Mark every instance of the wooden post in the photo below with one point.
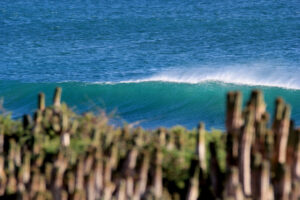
(57, 97)
(193, 187)
(60, 168)
(64, 195)
(65, 135)
(157, 184)
(264, 181)
(141, 185)
(98, 177)
(121, 192)
(129, 166)
(27, 167)
(279, 107)
(234, 111)
(257, 100)
(109, 188)
(11, 186)
(41, 101)
(70, 180)
(201, 147)
(234, 122)
(27, 121)
(281, 130)
(113, 159)
(79, 179)
(216, 175)
(88, 163)
(3, 177)
(296, 163)
(232, 182)
(296, 191)
(1, 138)
(90, 186)
(285, 184)
(260, 142)
(48, 173)
(245, 151)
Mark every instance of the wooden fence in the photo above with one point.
(61, 155)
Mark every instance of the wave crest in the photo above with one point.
(257, 75)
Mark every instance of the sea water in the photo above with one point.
(150, 63)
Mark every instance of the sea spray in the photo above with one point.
(253, 74)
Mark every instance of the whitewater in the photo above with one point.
(258, 74)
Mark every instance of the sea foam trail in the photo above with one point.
(253, 76)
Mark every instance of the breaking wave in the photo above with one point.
(253, 76)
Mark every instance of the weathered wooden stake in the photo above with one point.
(41, 101)
(281, 131)
(201, 148)
(193, 188)
(57, 97)
(143, 176)
(245, 151)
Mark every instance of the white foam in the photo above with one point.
(253, 75)
(257, 74)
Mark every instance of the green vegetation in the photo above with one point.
(62, 155)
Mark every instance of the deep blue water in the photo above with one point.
(160, 63)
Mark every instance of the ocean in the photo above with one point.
(150, 63)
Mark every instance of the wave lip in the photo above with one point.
(252, 76)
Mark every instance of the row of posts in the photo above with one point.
(61, 155)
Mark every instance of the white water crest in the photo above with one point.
(253, 75)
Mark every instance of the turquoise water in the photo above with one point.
(156, 63)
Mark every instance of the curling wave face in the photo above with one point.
(149, 104)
